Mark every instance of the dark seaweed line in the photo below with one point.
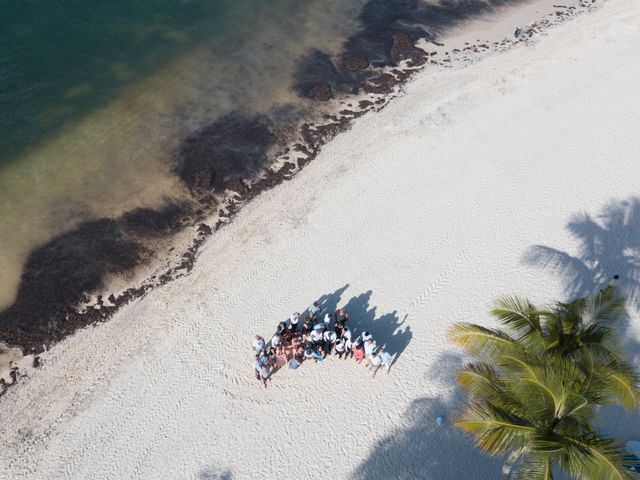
(124, 252)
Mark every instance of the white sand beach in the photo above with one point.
(419, 216)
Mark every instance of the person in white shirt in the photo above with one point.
(256, 366)
(293, 321)
(366, 336)
(328, 318)
(316, 336)
(340, 349)
(374, 362)
(346, 333)
(276, 340)
(387, 359)
(348, 347)
(258, 344)
(264, 374)
(369, 350)
(382, 359)
(329, 339)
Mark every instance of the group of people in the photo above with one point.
(313, 338)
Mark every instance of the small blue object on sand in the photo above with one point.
(632, 458)
(294, 364)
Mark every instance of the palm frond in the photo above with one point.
(480, 380)
(493, 429)
(533, 467)
(480, 341)
(518, 314)
(594, 457)
(617, 383)
(603, 308)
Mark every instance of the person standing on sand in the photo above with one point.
(256, 366)
(375, 362)
(346, 333)
(293, 321)
(387, 359)
(340, 349)
(281, 357)
(258, 344)
(348, 348)
(314, 310)
(369, 350)
(288, 335)
(276, 340)
(358, 353)
(382, 359)
(308, 324)
(341, 316)
(264, 374)
(316, 336)
(329, 339)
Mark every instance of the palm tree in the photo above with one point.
(541, 415)
(536, 384)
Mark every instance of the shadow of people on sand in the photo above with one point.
(329, 301)
(386, 329)
(426, 448)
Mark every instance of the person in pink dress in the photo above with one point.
(358, 353)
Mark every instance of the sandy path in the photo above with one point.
(423, 212)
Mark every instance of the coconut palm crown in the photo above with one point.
(535, 386)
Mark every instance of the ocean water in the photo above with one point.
(96, 96)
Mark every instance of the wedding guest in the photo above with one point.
(258, 344)
(293, 320)
(346, 333)
(340, 348)
(314, 310)
(341, 316)
(329, 339)
(348, 348)
(308, 324)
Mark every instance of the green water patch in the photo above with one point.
(61, 59)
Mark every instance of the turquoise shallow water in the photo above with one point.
(60, 59)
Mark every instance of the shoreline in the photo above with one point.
(417, 217)
(381, 87)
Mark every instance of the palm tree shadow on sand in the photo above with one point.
(422, 448)
(609, 244)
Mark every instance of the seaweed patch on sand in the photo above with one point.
(234, 145)
(59, 275)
